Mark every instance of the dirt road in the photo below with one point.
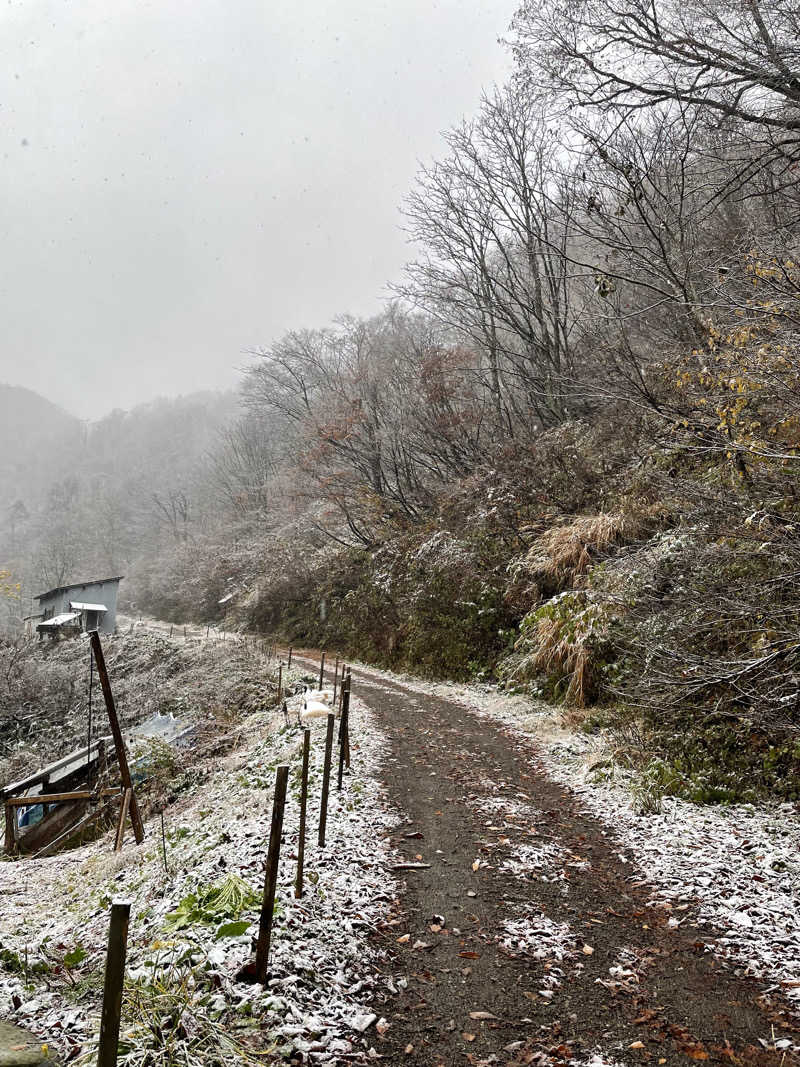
(527, 937)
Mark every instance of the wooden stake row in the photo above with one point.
(279, 803)
(120, 910)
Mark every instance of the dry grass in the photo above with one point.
(564, 553)
(558, 653)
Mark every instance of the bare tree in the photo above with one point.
(493, 222)
(247, 462)
(732, 59)
(172, 507)
(378, 412)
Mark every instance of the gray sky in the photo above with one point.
(182, 180)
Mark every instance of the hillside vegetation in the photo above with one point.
(565, 456)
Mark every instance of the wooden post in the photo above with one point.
(119, 744)
(289, 664)
(280, 681)
(11, 828)
(326, 783)
(271, 875)
(341, 687)
(343, 734)
(89, 729)
(301, 843)
(347, 722)
(335, 679)
(184, 633)
(170, 631)
(112, 989)
(208, 627)
(164, 842)
(321, 669)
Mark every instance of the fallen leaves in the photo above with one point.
(694, 1052)
(362, 1022)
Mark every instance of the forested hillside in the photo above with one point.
(89, 498)
(565, 455)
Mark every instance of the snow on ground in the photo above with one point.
(545, 861)
(510, 807)
(734, 868)
(736, 865)
(534, 934)
(55, 915)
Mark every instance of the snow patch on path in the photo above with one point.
(535, 935)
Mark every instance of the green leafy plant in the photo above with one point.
(222, 902)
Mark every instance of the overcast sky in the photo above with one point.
(183, 180)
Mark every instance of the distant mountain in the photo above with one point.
(32, 432)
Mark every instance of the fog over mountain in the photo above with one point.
(89, 497)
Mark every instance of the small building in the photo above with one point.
(80, 607)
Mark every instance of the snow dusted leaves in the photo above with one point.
(538, 937)
(737, 866)
(544, 860)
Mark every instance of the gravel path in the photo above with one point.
(529, 936)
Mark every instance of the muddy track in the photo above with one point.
(618, 978)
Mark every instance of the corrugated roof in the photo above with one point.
(77, 585)
(86, 607)
(58, 620)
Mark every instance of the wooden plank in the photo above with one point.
(50, 798)
(41, 777)
(116, 732)
(123, 815)
(72, 830)
(61, 798)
